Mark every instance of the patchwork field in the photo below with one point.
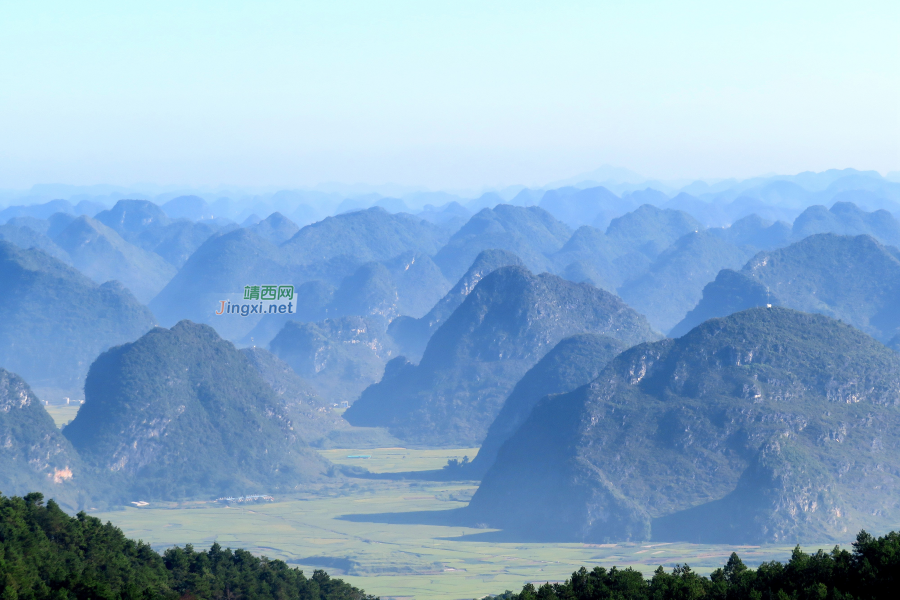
(339, 528)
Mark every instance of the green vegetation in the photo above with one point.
(763, 426)
(46, 554)
(473, 361)
(869, 571)
(181, 413)
(388, 536)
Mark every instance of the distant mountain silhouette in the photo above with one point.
(530, 233)
(101, 254)
(57, 320)
(338, 357)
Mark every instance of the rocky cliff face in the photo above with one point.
(769, 425)
(35, 457)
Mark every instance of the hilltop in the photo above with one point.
(764, 426)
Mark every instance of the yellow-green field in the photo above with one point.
(399, 560)
(397, 460)
(62, 413)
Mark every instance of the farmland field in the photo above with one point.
(327, 527)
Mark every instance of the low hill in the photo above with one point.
(56, 321)
(181, 413)
(530, 233)
(765, 426)
(572, 363)
(854, 279)
(34, 454)
(503, 327)
(412, 334)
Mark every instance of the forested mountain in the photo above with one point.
(48, 554)
(412, 334)
(573, 362)
(503, 327)
(56, 320)
(855, 279)
(145, 225)
(868, 570)
(338, 357)
(181, 413)
(764, 426)
(34, 456)
(530, 233)
(275, 228)
(25, 237)
(101, 254)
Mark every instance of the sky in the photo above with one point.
(445, 95)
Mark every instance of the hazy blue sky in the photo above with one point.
(445, 94)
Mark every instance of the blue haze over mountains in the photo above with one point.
(448, 319)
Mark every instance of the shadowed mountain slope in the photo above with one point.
(573, 362)
(180, 413)
(502, 328)
(56, 320)
(769, 425)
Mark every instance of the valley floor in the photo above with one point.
(354, 530)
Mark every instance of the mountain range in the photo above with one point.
(471, 363)
(766, 426)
